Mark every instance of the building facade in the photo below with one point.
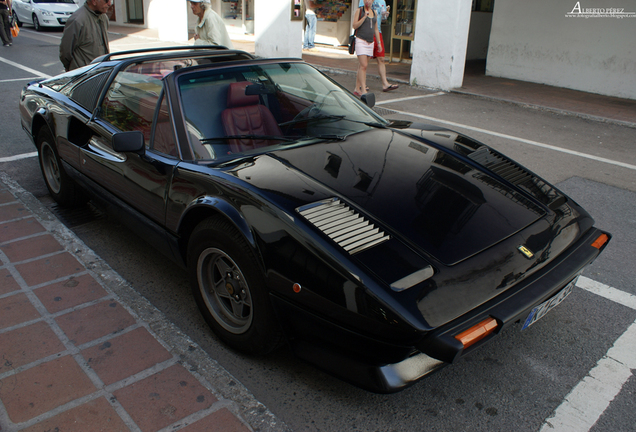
(585, 45)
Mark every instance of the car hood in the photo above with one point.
(60, 8)
(442, 204)
(433, 198)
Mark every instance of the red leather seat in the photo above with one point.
(244, 116)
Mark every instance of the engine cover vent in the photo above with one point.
(518, 176)
(343, 225)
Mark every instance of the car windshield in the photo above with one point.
(249, 109)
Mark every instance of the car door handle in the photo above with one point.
(101, 150)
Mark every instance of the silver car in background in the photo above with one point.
(43, 13)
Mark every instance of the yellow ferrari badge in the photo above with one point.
(526, 252)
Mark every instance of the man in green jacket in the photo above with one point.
(85, 35)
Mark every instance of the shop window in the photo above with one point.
(135, 11)
(296, 10)
(402, 27)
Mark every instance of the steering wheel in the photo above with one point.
(305, 114)
(308, 112)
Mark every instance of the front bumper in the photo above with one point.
(516, 303)
(357, 359)
(322, 343)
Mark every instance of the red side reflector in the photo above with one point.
(600, 241)
(477, 332)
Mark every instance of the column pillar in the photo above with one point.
(276, 35)
(439, 47)
(170, 18)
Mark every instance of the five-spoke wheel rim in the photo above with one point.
(51, 168)
(225, 290)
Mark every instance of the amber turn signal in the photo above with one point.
(477, 332)
(600, 241)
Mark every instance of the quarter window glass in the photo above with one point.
(83, 85)
(131, 100)
(164, 140)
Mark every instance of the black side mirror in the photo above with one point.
(369, 99)
(129, 142)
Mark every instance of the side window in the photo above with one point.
(164, 140)
(130, 102)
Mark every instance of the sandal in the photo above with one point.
(355, 93)
(391, 87)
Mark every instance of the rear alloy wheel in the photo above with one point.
(36, 23)
(61, 187)
(229, 288)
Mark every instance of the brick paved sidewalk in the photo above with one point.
(76, 357)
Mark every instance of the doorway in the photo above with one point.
(478, 37)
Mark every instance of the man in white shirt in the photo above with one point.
(210, 29)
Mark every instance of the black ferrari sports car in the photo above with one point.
(379, 250)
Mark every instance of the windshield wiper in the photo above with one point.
(247, 137)
(312, 119)
(374, 124)
(326, 137)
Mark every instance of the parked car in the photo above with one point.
(43, 13)
(379, 250)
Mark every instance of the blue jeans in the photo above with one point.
(310, 31)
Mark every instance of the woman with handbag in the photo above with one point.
(366, 28)
(382, 11)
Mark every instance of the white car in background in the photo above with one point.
(43, 13)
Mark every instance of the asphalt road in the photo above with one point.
(515, 383)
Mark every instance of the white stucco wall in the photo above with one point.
(171, 26)
(170, 18)
(276, 34)
(535, 41)
(439, 47)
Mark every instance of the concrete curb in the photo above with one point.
(547, 109)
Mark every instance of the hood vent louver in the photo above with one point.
(343, 225)
(518, 176)
(501, 166)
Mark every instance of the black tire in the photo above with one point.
(61, 187)
(229, 288)
(36, 23)
(16, 20)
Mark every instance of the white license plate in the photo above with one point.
(539, 311)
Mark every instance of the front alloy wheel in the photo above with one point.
(229, 287)
(36, 23)
(225, 291)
